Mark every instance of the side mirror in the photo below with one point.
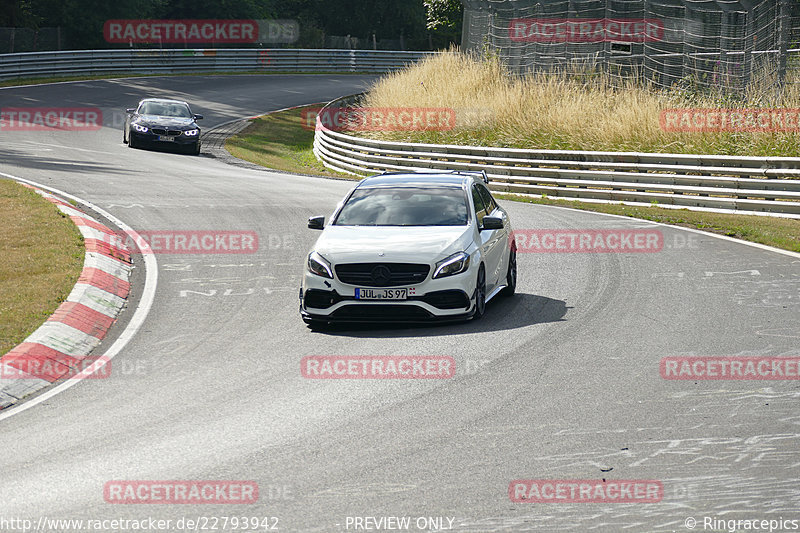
(316, 223)
(197, 117)
(131, 111)
(492, 223)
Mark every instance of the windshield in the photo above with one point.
(405, 206)
(165, 110)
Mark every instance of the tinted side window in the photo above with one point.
(477, 201)
(488, 201)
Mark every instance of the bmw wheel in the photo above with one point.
(191, 149)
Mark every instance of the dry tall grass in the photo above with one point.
(563, 111)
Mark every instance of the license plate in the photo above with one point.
(168, 138)
(381, 294)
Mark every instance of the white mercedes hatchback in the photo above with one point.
(410, 247)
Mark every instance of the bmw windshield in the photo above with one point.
(165, 110)
(404, 206)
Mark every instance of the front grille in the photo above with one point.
(449, 299)
(381, 313)
(382, 274)
(162, 131)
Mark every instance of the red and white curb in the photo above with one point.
(79, 324)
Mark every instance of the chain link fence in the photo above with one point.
(731, 45)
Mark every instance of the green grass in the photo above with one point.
(59, 79)
(279, 141)
(117, 75)
(41, 258)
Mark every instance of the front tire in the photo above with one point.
(480, 295)
(511, 276)
(131, 144)
(192, 149)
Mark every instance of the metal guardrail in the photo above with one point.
(176, 61)
(769, 185)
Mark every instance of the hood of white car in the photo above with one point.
(407, 244)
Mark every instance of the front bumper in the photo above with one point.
(433, 300)
(153, 140)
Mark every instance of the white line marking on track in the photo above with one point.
(748, 272)
(139, 316)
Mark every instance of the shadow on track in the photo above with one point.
(501, 314)
(40, 162)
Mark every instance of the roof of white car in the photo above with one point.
(445, 179)
(163, 101)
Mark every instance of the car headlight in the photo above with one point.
(449, 266)
(140, 129)
(191, 133)
(319, 265)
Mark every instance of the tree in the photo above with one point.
(443, 14)
(444, 18)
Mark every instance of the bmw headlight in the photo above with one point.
(319, 265)
(191, 133)
(449, 266)
(140, 129)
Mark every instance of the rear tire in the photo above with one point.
(511, 276)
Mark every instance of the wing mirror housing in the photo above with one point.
(316, 223)
(492, 223)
